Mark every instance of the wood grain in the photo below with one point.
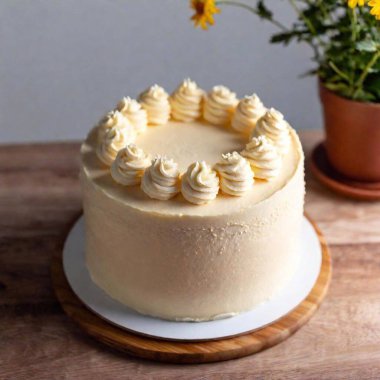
(192, 352)
(40, 196)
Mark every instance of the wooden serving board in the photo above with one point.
(191, 352)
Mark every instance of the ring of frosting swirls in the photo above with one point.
(113, 118)
(275, 128)
(113, 140)
(263, 158)
(219, 105)
(248, 111)
(129, 165)
(161, 179)
(200, 183)
(186, 101)
(133, 111)
(155, 101)
(236, 176)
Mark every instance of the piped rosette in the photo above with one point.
(134, 112)
(200, 183)
(186, 101)
(236, 176)
(155, 101)
(275, 128)
(219, 105)
(129, 165)
(113, 118)
(161, 179)
(114, 139)
(263, 158)
(248, 111)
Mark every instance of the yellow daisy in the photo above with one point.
(355, 3)
(375, 5)
(204, 12)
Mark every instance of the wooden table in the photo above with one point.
(40, 196)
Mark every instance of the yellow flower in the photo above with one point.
(204, 12)
(355, 3)
(375, 5)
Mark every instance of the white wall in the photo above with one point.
(63, 63)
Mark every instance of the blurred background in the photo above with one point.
(64, 63)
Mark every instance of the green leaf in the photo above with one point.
(308, 73)
(284, 38)
(287, 37)
(365, 96)
(337, 87)
(263, 11)
(367, 45)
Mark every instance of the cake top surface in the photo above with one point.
(191, 148)
(190, 142)
(182, 142)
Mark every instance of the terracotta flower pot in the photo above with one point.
(352, 136)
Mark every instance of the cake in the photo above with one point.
(192, 202)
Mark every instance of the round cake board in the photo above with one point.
(175, 351)
(296, 290)
(326, 174)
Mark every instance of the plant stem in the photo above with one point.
(305, 19)
(275, 22)
(253, 10)
(311, 28)
(364, 74)
(354, 21)
(340, 72)
(325, 11)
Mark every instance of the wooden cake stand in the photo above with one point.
(191, 352)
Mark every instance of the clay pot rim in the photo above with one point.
(356, 103)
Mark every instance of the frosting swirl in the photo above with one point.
(155, 101)
(129, 165)
(275, 128)
(133, 111)
(219, 105)
(161, 179)
(113, 118)
(235, 173)
(200, 184)
(263, 158)
(113, 140)
(247, 113)
(186, 101)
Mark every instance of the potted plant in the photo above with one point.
(345, 40)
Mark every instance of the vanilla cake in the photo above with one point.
(192, 202)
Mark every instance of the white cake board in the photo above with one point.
(116, 313)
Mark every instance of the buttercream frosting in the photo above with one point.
(263, 158)
(236, 176)
(114, 139)
(248, 111)
(186, 101)
(133, 111)
(129, 165)
(177, 261)
(174, 260)
(275, 128)
(200, 183)
(219, 105)
(155, 101)
(161, 179)
(113, 118)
